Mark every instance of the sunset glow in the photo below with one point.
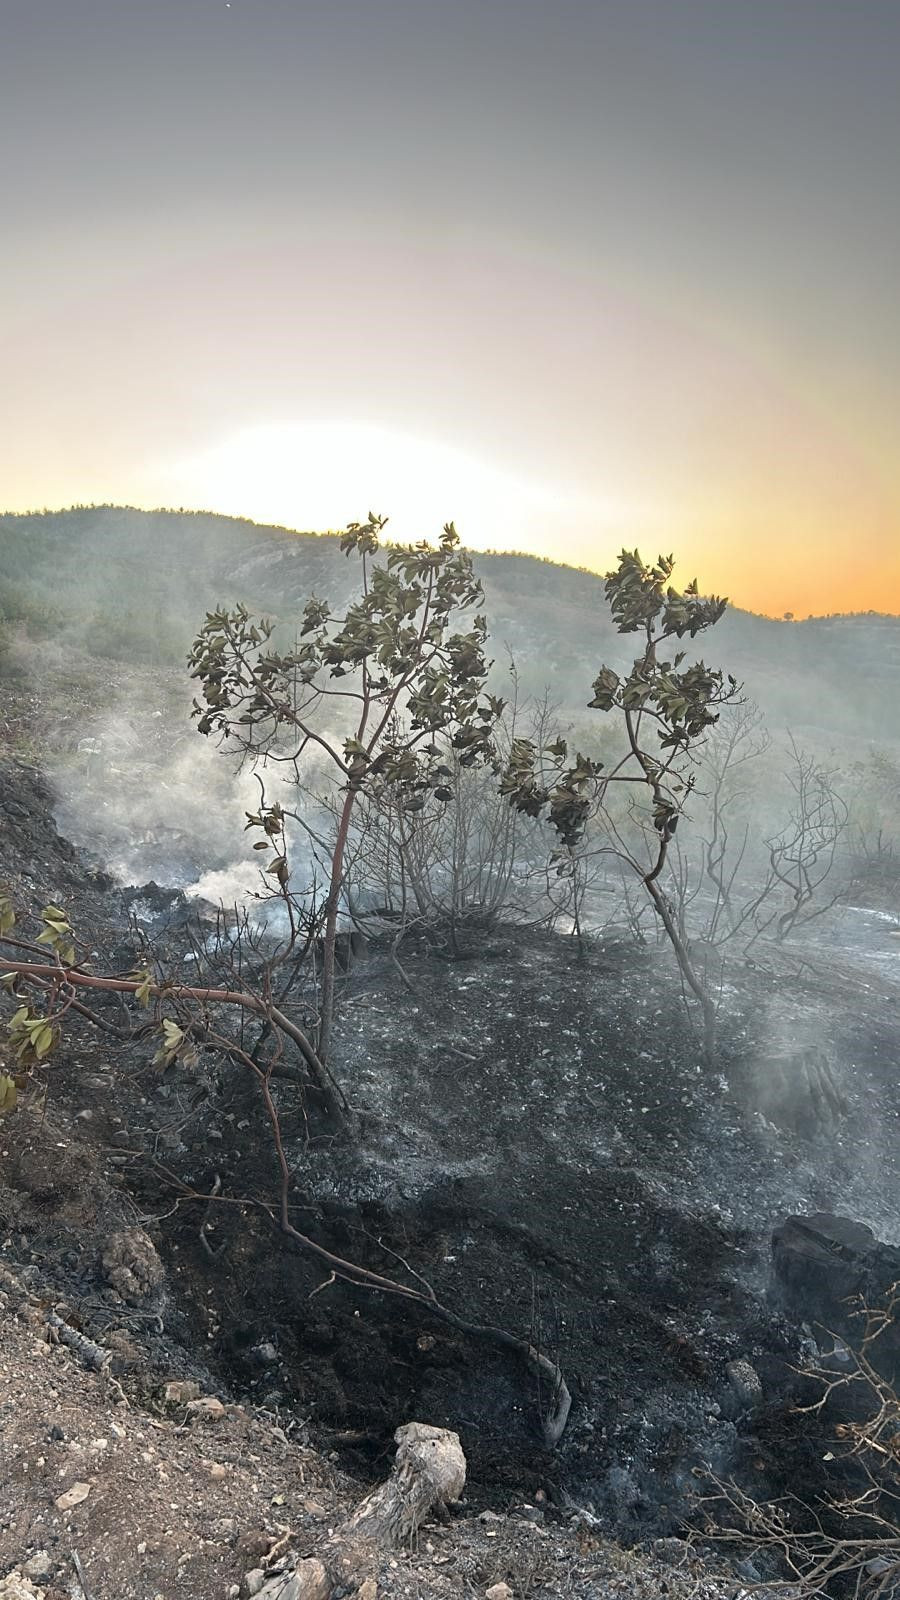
(325, 474)
(622, 276)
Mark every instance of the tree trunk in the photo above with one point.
(429, 1474)
(331, 916)
(688, 971)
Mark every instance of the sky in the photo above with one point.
(576, 275)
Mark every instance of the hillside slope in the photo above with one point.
(134, 585)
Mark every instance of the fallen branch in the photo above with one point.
(335, 1099)
(92, 1355)
(560, 1400)
(556, 1417)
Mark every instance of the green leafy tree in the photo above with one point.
(665, 705)
(395, 666)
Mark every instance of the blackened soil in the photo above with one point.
(541, 1143)
(545, 1148)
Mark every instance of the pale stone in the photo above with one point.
(308, 1581)
(17, 1587)
(73, 1496)
(39, 1566)
(209, 1409)
(180, 1391)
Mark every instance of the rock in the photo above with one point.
(252, 1582)
(39, 1566)
(180, 1391)
(209, 1409)
(17, 1587)
(132, 1266)
(73, 1497)
(314, 1508)
(224, 1529)
(367, 1590)
(822, 1262)
(308, 1581)
(264, 1353)
(745, 1381)
(498, 1591)
(217, 1471)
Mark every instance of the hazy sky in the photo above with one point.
(577, 274)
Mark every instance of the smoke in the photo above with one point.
(153, 801)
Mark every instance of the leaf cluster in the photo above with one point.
(270, 821)
(176, 1045)
(539, 782)
(683, 703)
(394, 650)
(57, 933)
(641, 598)
(32, 1036)
(680, 702)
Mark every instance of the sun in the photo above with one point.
(322, 475)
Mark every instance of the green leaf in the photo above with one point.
(142, 992)
(42, 1043)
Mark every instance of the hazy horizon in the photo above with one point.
(389, 537)
(602, 275)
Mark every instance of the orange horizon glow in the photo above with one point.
(317, 476)
(573, 278)
(715, 574)
(757, 476)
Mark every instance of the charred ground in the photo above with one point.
(540, 1141)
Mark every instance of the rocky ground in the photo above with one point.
(125, 1479)
(540, 1141)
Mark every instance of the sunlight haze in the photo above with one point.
(576, 278)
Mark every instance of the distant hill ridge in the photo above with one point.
(132, 584)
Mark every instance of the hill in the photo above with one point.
(537, 1133)
(134, 585)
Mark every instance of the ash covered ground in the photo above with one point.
(541, 1142)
